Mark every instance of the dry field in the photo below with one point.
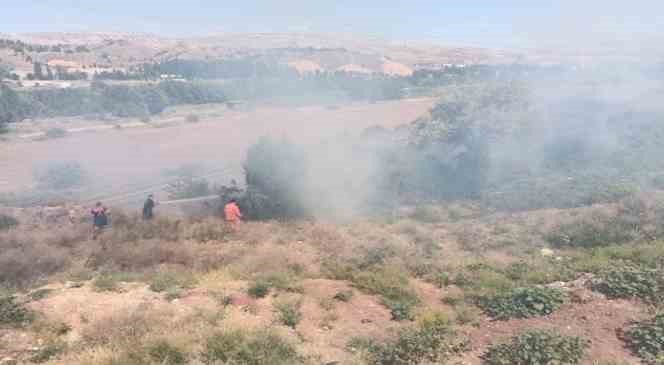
(116, 156)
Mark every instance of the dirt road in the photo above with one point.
(118, 157)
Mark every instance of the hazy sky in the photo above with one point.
(506, 23)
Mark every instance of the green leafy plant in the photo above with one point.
(538, 347)
(523, 303)
(629, 281)
(646, 339)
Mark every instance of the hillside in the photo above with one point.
(357, 293)
(329, 52)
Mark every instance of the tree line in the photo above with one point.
(103, 99)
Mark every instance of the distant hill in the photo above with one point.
(303, 52)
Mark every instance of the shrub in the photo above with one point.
(431, 342)
(394, 288)
(40, 294)
(260, 348)
(47, 352)
(209, 231)
(629, 281)
(164, 353)
(646, 338)
(56, 133)
(289, 312)
(538, 347)
(13, 313)
(523, 303)
(7, 222)
(108, 281)
(24, 264)
(275, 173)
(60, 175)
(164, 281)
(259, 289)
(596, 230)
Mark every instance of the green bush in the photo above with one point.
(538, 347)
(13, 313)
(164, 353)
(433, 341)
(646, 339)
(259, 289)
(7, 222)
(260, 348)
(288, 311)
(523, 303)
(393, 285)
(630, 281)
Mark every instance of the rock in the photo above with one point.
(366, 320)
(547, 252)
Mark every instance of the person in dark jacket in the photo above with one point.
(99, 219)
(148, 208)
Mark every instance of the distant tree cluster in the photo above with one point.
(22, 47)
(100, 98)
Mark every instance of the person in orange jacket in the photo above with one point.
(232, 213)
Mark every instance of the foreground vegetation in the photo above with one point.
(429, 289)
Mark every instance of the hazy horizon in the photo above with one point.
(505, 24)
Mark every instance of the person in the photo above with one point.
(99, 219)
(148, 207)
(232, 213)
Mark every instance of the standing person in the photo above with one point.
(148, 208)
(99, 219)
(232, 213)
